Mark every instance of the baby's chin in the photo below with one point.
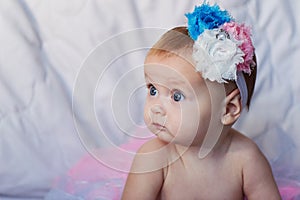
(165, 137)
(162, 134)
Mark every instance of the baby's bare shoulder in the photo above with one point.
(258, 180)
(245, 150)
(150, 157)
(242, 144)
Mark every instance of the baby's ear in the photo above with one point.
(233, 107)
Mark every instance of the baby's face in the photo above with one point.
(178, 105)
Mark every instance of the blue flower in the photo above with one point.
(206, 17)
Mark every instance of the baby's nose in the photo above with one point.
(158, 109)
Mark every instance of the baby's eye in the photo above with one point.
(178, 96)
(152, 90)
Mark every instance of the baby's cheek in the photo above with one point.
(146, 117)
(191, 116)
(180, 120)
(175, 116)
(146, 113)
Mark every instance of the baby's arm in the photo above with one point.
(259, 182)
(146, 177)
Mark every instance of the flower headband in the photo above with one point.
(223, 49)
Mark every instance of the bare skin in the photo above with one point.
(168, 167)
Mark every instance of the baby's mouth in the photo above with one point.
(159, 127)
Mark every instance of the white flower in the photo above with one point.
(217, 55)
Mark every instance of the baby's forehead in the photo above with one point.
(172, 69)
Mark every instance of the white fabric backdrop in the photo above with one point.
(44, 43)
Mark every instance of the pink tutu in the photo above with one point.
(90, 179)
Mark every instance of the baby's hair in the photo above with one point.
(174, 42)
(178, 42)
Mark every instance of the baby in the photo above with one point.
(199, 78)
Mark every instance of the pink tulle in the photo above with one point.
(289, 189)
(90, 179)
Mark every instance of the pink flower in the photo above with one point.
(242, 33)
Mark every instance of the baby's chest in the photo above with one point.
(215, 182)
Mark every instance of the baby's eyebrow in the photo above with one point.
(147, 78)
(176, 81)
(171, 80)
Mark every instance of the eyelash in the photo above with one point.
(153, 92)
(174, 95)
(150, 87)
